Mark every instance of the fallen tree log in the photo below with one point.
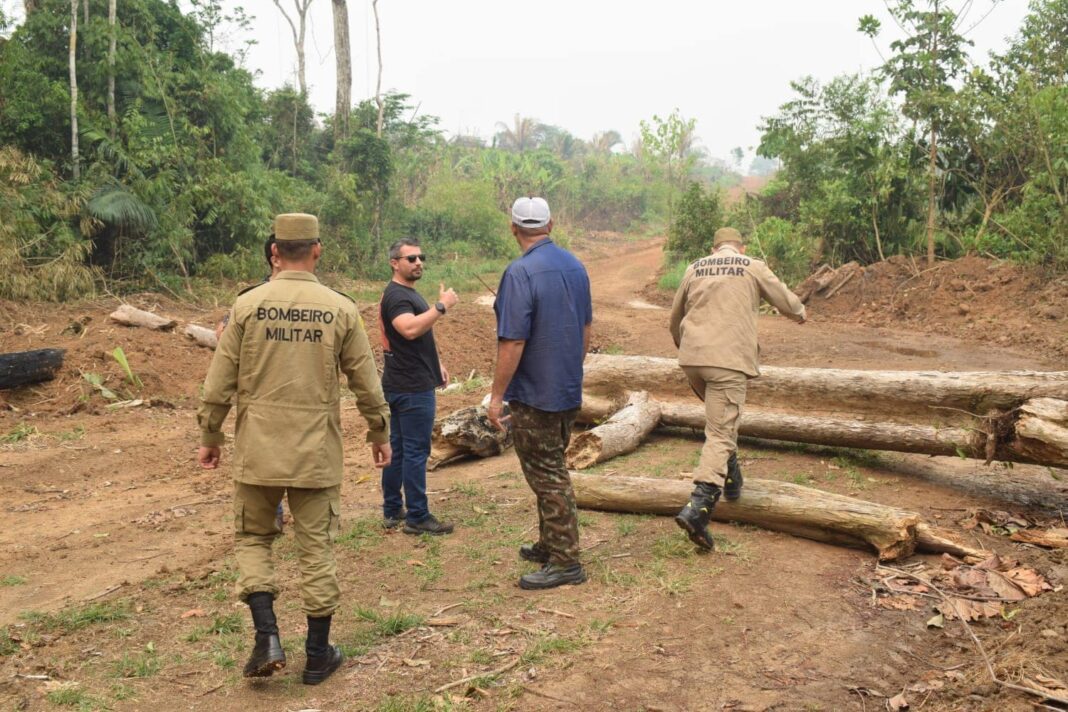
(21, 367)
(911, 396)
(780, 506)
(202, 336)
(623, 432)
(1044, 440)
(131, 316)
(466, 432)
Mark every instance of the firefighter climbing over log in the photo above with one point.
(714, 325)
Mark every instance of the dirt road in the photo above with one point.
(106, 508)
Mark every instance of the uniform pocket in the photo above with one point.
(239, 516)
(335, 519)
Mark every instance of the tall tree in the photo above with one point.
(604, 141)
(73, 64)
(343, 54)
(923, 67)
(672, 142)
(378, 87)
(524, 134)
(298, 28)
(112, 17)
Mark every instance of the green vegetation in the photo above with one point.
(73, 619)
(73, 697)
(174, 190)
(12, 580)
(20, 432)
(385, 626)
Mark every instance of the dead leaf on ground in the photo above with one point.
(1050, 685)
(897, 702)
(938, 621)
(193, 613)
(415, 662)
(414, 562)
(1030, 581)
(900, 602)
(968, 610)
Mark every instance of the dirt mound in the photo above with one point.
(170, 366)
(973, 298)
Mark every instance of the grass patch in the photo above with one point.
(220, 625)
(362, 533)
(73, 697)
(801, 479)
(432, 568)
(69, 435)
(17, 434)
(672, 277)
(546, 647)
(12, 580)
(142, 665)
(72, 619)
(385, 626)
(7, 644)
(673, 546)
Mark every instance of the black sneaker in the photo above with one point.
(395, 521)
(321, 667)
(535, 553)
(551, 576)
(267, 656)
(732, 489)
(430, 525)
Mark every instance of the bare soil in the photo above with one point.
(116, 576)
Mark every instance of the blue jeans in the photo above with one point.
(411, 422)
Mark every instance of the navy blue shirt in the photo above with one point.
(544, 299)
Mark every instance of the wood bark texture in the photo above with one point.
(202, 335)
(131, 316)
(1044, 440)
(620, 434)
(908, 396)
(21, 367)
(72, 63)
(343, 54)
(780, 506)
(466, 432)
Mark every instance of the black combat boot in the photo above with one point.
(323, 658)
(267, 655)
(732, 489)
(535, 553)
(553, 575)
(693, 519)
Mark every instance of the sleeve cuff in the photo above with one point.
(378, 437)
(212, 439)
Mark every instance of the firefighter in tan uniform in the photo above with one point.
(277, 363)
(714, 324)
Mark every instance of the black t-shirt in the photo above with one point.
(411, 366)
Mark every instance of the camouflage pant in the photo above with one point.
(540, 441)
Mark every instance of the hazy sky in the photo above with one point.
(592, 65)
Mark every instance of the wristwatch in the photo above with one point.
(440, 307)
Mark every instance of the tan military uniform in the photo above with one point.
(714, 324)
(278, 363)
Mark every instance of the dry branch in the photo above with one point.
(466, 432)
(803, 511)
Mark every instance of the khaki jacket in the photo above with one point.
(278, 362)
(714, 315)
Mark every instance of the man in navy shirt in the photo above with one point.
(544, 313)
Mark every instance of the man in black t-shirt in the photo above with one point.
(411, 373)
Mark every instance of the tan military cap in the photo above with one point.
(727, 234)
(296, 226)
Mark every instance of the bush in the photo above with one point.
(781, 244)
(697, 217)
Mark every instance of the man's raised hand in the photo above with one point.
(448, 297)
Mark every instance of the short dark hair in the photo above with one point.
(267, 251)
(532, 231)
(295, 249)
(395, 248)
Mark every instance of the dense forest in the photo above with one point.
(136, 155)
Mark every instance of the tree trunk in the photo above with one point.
(932, 160)
(112, 27)
(902, 396)
(73, 64)
(203, 336)
(802, 511)
(1039, 437)
(620, 434)
(22, 367)
(298, 37)
(131, 316)
(466, 432)
(378, 86)
(343, 54)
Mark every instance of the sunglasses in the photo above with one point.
(412, 258)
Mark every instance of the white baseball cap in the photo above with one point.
(531, 212)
